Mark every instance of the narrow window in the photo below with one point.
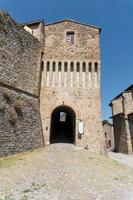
(71, 67)
(70, 39)
(84, 66)
(59, 67)
(78, 66)
(90, 65)
(65, 69)
(42, 65)
(48, 64)
(96, 66)
(53, 66)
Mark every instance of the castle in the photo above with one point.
(49, 85)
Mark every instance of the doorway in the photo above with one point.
(62, 130)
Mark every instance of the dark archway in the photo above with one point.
(62, 130)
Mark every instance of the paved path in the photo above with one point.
(64, 172)
(122, 158)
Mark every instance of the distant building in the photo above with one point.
(122, 114)
(108, 134)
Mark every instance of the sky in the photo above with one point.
(113, 16)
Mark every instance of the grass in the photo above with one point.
(14, 159)
(33, 188)
(7, 197)
(31, 168)
(9, 161)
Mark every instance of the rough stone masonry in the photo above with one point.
(122, 114)
(20, 58)
(52, 71)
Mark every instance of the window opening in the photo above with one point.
(78, 67)
(65, 67)
(62, 116)
(48, 64)
(53, 66)
(59, 67)
(70, 37)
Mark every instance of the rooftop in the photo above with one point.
(33, 22)
(56, 22)
(74, 21)
(130, 88)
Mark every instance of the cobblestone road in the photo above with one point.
(64, 172)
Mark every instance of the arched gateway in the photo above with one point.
(62, 127)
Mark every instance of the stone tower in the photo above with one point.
(70, 87)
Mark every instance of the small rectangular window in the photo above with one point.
(62, 116)
(70, 37)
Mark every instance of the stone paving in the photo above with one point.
(122, 158)
(64, 172)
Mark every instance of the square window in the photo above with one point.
(70, 37)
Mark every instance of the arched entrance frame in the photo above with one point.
(63, 129)
(47, 120)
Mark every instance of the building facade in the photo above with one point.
(122, 114)
(108, 134)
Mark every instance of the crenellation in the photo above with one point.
(84, 72)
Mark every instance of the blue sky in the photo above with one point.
(114, 16)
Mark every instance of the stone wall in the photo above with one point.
(20, 123)
(20, 56)
(117, 106)
(36, 29)
(122, 110)
(87, 108)
(86, 44)
(120, 144)
(128, 96)
(109, 134)
(20, 68)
